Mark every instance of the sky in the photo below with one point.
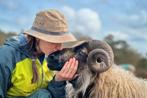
(124, 19)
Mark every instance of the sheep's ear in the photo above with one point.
(99, 61)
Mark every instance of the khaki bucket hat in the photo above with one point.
(51, 26)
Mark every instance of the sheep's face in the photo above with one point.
(57, 59)
(95, 54)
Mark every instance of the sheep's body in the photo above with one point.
(114, 83)
(118, 83)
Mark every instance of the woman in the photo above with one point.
(23, 67)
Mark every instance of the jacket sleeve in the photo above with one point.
(6, 66)
(3, 81)
(57, 88)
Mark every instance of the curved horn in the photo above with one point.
(99, 60)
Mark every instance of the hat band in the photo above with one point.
(47, 32)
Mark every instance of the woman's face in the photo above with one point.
(48, 48)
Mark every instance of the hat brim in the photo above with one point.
(51, 38)
(73, 44)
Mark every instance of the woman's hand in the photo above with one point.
(68, 71)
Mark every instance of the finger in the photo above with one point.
(71, 72)
(71, 63)
(66, 72)
(74, 68)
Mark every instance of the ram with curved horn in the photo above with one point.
(98, 76)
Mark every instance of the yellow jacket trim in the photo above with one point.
(22, 76)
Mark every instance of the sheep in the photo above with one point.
(98, 76)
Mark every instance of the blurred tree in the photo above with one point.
(109, 39)
(2, 37)
(122, 51)
(142, 63)
(142, 68)
(124, 54)
(5, 35)
(141, 72)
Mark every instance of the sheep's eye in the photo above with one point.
(81, 53)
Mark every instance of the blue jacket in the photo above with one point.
(16, 73)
